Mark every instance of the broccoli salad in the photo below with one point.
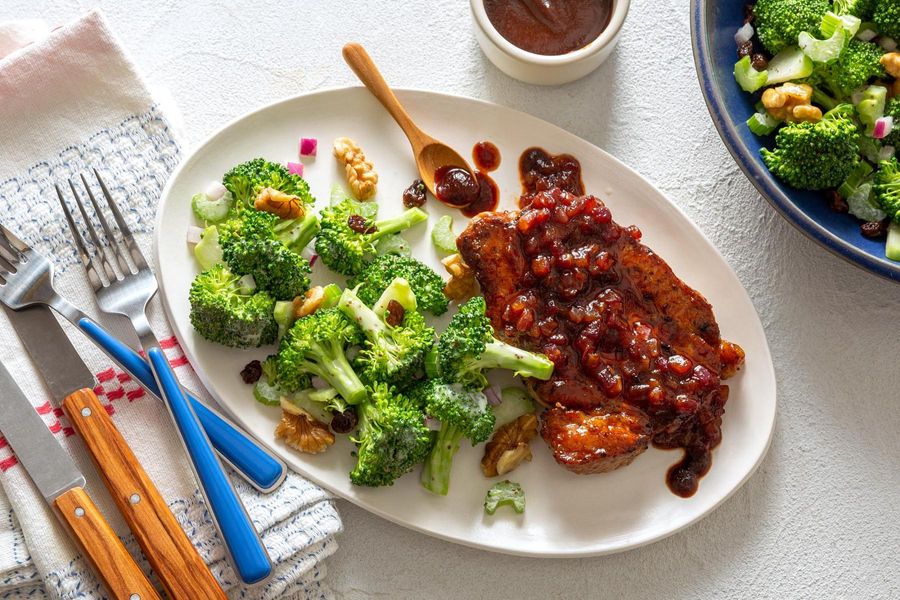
(362, 359)
(827, 79)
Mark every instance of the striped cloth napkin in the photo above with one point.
(70, 99)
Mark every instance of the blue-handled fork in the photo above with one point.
(26, 279)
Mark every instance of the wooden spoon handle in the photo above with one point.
(117, 569)
(361, 64)
(171, 554)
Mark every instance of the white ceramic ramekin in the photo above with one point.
(538, 68)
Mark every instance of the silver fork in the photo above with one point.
(125, 287)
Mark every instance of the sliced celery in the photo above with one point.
(892, 247)
(747, 77)
(791, 64)
(762, 123)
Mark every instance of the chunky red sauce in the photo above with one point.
(549, 27)
(472, 195)
(579, 304)
(540, 171)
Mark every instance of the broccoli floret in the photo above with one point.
(250, 246)
(463, 414)
(468, 348)
(892, 109)
(858, 62)
(317, 345)
(858, 8)
(246, 180)
(392, 437)
(427, 285)
(222, 312)
(887, 188)
(887, 17)
(779, 22)
(390, 354)
(815, 156)
(347, 249)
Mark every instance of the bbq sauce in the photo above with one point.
(457, 187)
(549, 27)
(541, 171)
(685, 412)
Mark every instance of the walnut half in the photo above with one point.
(360, 172)
(509, 446)
(462, 284)
(279, 204)
(304, 433)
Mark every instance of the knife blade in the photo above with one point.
(58, 479)
(173, 557)
(257, 465)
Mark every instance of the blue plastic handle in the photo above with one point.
(246, 549)
(242, 452)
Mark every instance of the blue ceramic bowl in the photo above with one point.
(713, 25)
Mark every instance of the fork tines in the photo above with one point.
(12, 253)
(106, 259)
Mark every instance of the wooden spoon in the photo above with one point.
(431, 154)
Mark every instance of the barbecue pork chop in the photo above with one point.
(637, 352)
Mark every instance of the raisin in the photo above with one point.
(759, 62)
(357, 223)
(344, 422)
(874, 229)
(395, 313)
(414, 195)
(836, 202)
(745, 49)
(749, 15)
(252, 372)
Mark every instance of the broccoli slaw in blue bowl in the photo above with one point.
(776, 138)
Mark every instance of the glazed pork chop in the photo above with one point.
(637, 351)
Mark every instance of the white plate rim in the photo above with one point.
(633, 543)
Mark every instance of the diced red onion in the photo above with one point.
(492, 393)
(886, 153)
(194, 234)
(295, 168)
(883, 126)
(744, 34)
(308, 146)
(215, 190)
(309, 253)
(889, 44)
(432, 423)
(319, 383)
(866, 35)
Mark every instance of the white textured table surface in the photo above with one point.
(820, 518)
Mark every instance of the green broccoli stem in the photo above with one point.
(334, 368)
(309, 227)
(350, 304)
(397, 224)
(437, 467)
(500, 355)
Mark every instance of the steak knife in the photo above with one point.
(174, 559)
(62, 485)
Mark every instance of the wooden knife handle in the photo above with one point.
(122, 576)
(174, 559)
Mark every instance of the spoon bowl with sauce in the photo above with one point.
(442, 169)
